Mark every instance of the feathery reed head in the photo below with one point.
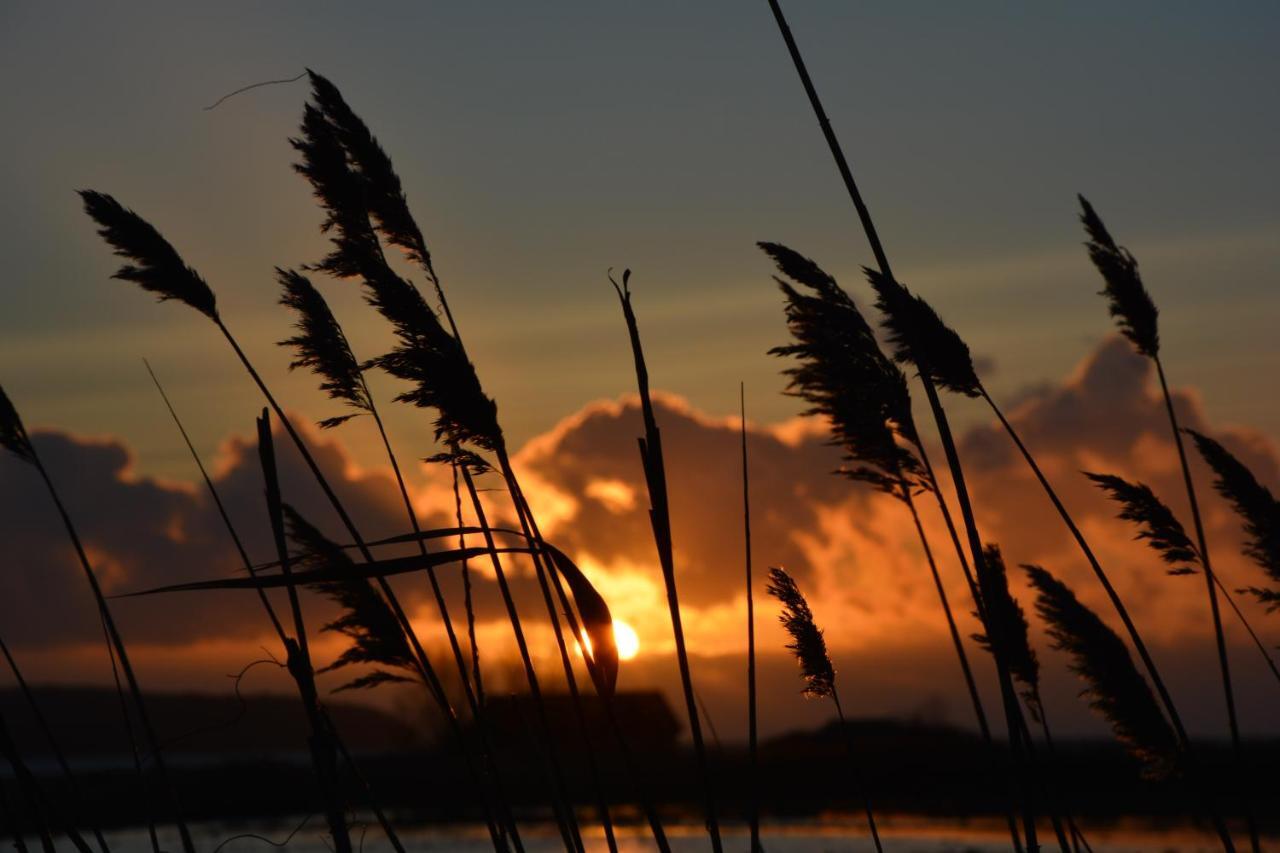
(1156, 522)
(426, 354)
(1127, 297)
(340, 192)
(383, 196)
(1255, 505)
(13, 435)
(321, 346)
(1007, 622)
(367, 620)
(1116, 690)
(156, 266)
(845, 377)
(806, 638)
(920, 338)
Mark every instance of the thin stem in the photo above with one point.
(753, 789)
(59, 756)
(117, 643)
(660, 520)
(1211, 588)
(858, 780)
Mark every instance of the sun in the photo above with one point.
(627, 640)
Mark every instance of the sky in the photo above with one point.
(541, 145)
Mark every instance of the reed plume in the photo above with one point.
(322, 347)
(156, 267)
(844, 377)
(1255, 505)
(1006, 620)
(367, 620)
(1165, 534)
(920, 338)
(1115, 689)
(1127, 297)
(807, 642)
(1156, 522)
(427, 356)
(810, 649)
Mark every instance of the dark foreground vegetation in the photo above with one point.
(591, 756)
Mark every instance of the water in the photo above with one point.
(901, 835)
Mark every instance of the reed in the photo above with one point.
(1137, 317)
(353, 179)
(321, 346)
(1257, 508)
(298, 649)
(158, 268)
(1115, 688)
(1160, 528)
(846, 379)
(810, 649)
(73, 785)
(14, 438)
(944, 431)
(655, 474)
(753, 748)
(299, 666)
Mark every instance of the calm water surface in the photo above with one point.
(902, 835)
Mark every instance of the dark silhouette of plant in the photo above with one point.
(14, 438)
(1255, 505)
(1116, 690)
(1136, 315)
(1165, 534)
(753, 748)
(947, 361)
(324, 738)
(810, 649)
(847, 379)
(159, 268)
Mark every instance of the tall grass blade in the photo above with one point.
(655, 473)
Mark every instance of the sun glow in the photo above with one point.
(624, 638)
(627, 640)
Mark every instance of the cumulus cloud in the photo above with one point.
(853, 551)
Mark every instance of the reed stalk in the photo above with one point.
(322, 728)
(13, 436)
(158, 268)
(655, 473)
(753, 750)
(73, 785)
(1137, 317)
(945, 432)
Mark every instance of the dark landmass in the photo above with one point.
(248, 760)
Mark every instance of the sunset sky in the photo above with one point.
(542, 144)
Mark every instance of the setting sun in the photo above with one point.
(627, 639)
(624, 637)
